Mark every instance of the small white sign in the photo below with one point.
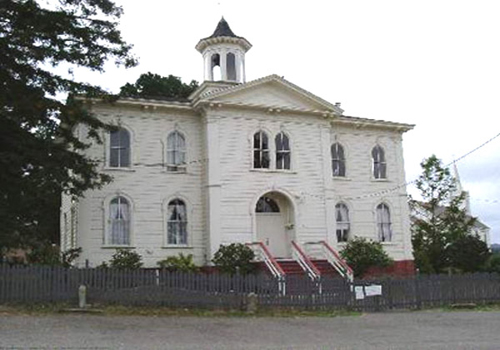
(374, 289)
(359, 292)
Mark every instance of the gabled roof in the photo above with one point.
(204, 93)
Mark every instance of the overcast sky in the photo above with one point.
(433, 63)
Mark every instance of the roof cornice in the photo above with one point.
(370, 123)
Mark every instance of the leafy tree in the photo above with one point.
(439, 220)
(362, 254)
(468, 253)
(493, 263)
(39, 155)
(125, 259)
(235, 258)
(51, 255)
(151, 85)
(182, 263)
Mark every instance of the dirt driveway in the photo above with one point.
(405, 330)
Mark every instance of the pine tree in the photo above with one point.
(39, 155)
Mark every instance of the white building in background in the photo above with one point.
(258, 161)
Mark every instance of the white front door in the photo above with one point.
(271, 231)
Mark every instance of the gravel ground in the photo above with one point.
(405, 330)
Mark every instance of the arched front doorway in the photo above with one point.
(275, 223)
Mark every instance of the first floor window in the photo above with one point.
(342, 221)
(384, 223)
(119, 222)
(176, 222)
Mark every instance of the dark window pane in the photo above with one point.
(256, 159)
(265, 144)
(113, 157)
(265, 160)
(287, 161)
(256, 140)
(124, 157)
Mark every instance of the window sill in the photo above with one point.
(177, 246)
(273, 171)
(388, 243)
(117, 247)
(173, 172)
(380, 180)
(340, 178)
(124, 169)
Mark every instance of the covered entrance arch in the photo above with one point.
(275, 223)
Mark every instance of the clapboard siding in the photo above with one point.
(309, 184)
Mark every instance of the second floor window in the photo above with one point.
(119, 148)
(260, 150)
(338, 160)
(282, 151)
(176, 152)
(379, 166)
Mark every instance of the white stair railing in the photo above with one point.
(331, 255)
(262, 254)
(304, 262)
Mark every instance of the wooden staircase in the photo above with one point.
(291, 267)
(324, 267)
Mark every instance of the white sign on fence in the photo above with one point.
(360, 293)
(374, 289)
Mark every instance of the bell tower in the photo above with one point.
(225, 50)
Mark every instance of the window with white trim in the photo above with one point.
(283, 153)
(119, 148)
(177, 223)
(379, 166)
(342, 222)
(176, 152)
(260, 150)
(384, 229)
(338, 160)
(119, 222)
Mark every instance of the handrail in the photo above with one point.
(335, 260)
(338, 260)
(269, 260)
(305, 262)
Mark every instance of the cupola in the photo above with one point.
(225, 50)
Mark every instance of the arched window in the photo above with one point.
(384, 223)
(342, 221)
(282, 151)
(119, 148)
(260, 150)
(267, 205)
(379, 164)
(176, 152)
(177, 222)
(338, 160)
(119, 222)
(231, 66)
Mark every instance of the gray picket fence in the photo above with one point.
(154, 287)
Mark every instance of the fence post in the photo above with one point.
(252, 303)
(82, 297)
(418, 299)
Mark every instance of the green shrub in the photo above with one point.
(182, 263)
(234, 258)
(50, 255)
(125, 259)
(361, 254)
(493, 263)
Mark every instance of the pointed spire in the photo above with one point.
(223, 29)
